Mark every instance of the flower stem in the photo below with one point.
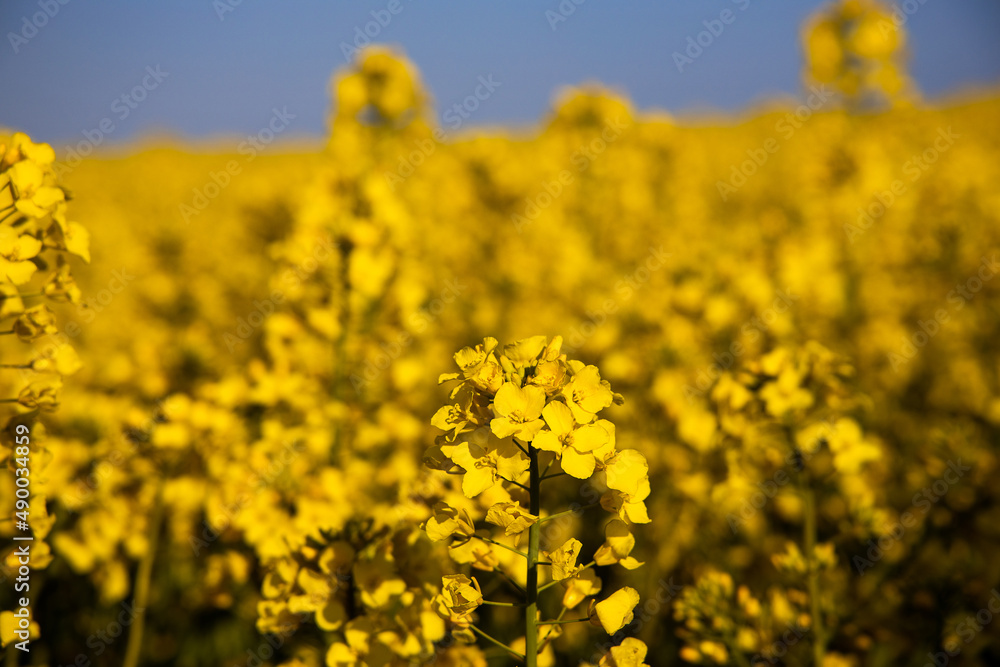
(511, 581)
(548, 632)
(497, 642)
(737, 654)
(809, 537)
(572, 511)
(501, 545)
(534, 533)
(503, 604)
(510, 481)
(143, 580)
(549, 465)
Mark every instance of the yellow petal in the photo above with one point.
(558, 417)
(578, 465)
(547, 441)
(341, 655)
(589, 437)
(615, 612)
(630, 653)
(78, 240)
(580, 587)
(520, 403)
(626, 471)
(525, 350)
(26, 177)
(64, 361)
(332, 616)
(564, 558)
(511, 517)
(17, 272)
(10, 301)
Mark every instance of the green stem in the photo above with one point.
(555, 474)
(737, 654)
(559, 622)
(573, 511)
(144, 577)
(534, 533)
(510, 580)
(548, 632)
(503, 604)
(809, 537)
(501, 545)
(548, 465)
(497, 642)
(510, 481)
(339, 373)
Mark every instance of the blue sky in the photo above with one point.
(229, 63)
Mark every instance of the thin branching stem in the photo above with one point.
(503, 604)
(496, 642)
(501, 545)
(572, 511)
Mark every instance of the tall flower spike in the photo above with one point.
(539, 411)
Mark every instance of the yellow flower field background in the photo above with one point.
(731, 387)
